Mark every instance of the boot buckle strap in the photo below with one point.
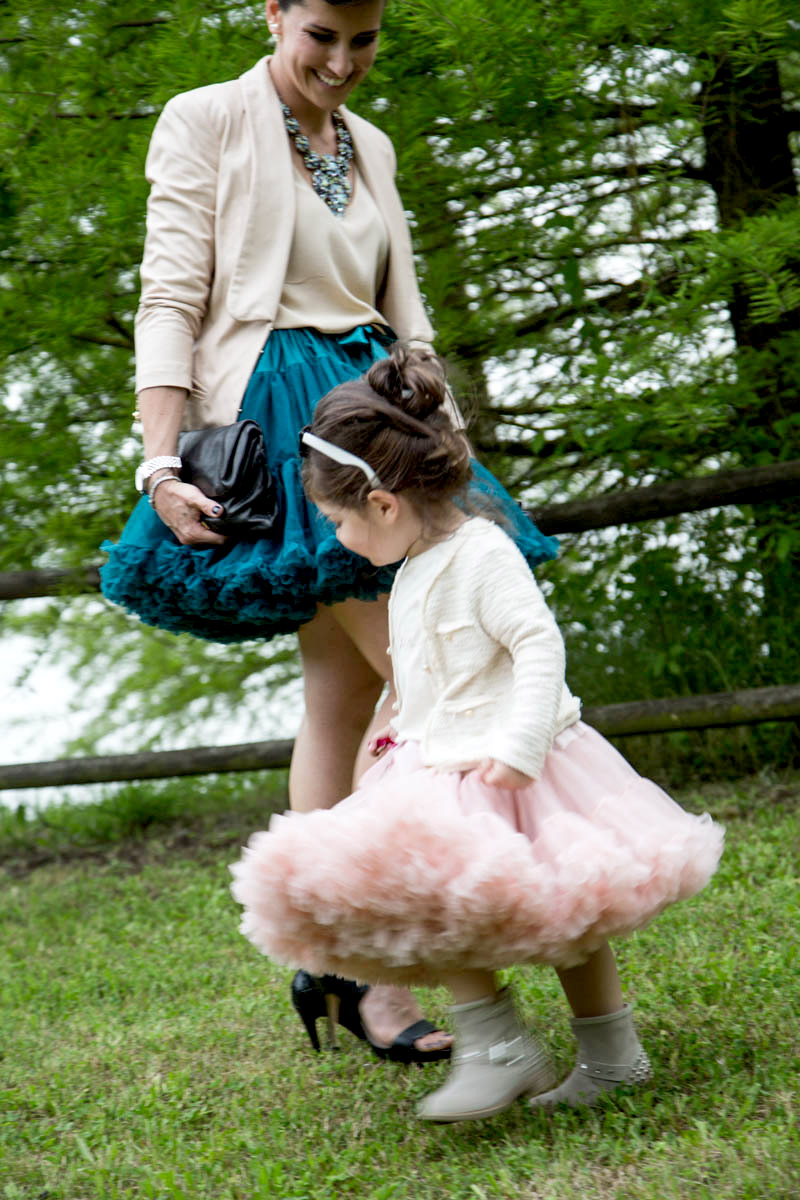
(503, 1053)
(506, 1053)
(614, 1072)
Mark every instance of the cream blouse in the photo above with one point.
(336, 264)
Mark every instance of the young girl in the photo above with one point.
(496, 827)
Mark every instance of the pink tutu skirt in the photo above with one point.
(423, 871)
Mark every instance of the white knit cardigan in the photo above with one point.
(495, 656)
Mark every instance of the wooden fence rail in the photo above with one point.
(748, 707)
(749, 485)
(770, 483)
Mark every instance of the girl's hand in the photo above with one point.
(499, 774)
(183, 507)
(383, 739)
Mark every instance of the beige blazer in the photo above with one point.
(220, 222)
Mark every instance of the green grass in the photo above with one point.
(148, 1051)
(137, 821)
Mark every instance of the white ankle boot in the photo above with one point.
(494, 1061)
(609, 1055)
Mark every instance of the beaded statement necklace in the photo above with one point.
(329, 173)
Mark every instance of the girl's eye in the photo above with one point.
(365, 39)
(320, 37)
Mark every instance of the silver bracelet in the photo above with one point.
(152, 491)
(148, 468)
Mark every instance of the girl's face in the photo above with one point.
(323, 51)
(385, 530)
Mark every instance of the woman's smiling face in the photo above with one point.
(323, 51)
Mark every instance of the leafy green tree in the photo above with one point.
(604, 201)
(622, 183)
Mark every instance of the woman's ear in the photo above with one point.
(273, 12)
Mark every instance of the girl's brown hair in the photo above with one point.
(394, 418)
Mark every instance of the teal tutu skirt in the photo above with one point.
(256, 589)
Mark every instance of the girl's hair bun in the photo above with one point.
(413, 380)
(396, 419)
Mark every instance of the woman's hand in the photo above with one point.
(183, 507)
(499, 774)
(381, 742)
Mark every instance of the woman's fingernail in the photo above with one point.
(216, 509)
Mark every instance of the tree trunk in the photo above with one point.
(748, 163)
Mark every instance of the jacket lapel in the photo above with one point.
(269, 227)
(399, 298)
(376, 168)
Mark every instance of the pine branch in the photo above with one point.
(144, 115)
(141, 24)
(753, 485)
(99, 341)
(623, 300)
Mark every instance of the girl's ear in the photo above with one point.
(384, 504)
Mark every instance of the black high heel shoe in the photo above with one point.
(331, 997)
(338, 999)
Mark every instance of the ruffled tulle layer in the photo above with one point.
(422, 871)
(249, 589)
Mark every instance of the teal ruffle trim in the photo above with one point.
(257, 589)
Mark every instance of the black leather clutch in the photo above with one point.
(229, 464)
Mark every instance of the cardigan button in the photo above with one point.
(425, 667)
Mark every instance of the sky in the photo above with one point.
(41, 712)
(35, 722)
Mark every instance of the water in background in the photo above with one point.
(42, 713)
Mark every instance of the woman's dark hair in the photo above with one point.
(394, 418)
(284, 5)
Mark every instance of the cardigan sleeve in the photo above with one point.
(514, 613)
(178, 263)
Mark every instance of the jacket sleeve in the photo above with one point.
(514, 613)
(178, 263)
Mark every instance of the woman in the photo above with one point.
(265, 282)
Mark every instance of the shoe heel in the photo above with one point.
(310, 1023)
(306, 998)
(331, 997)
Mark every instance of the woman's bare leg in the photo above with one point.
(367, 626)
(345, 668)
(341, 689)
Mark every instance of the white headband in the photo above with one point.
(331, 450)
